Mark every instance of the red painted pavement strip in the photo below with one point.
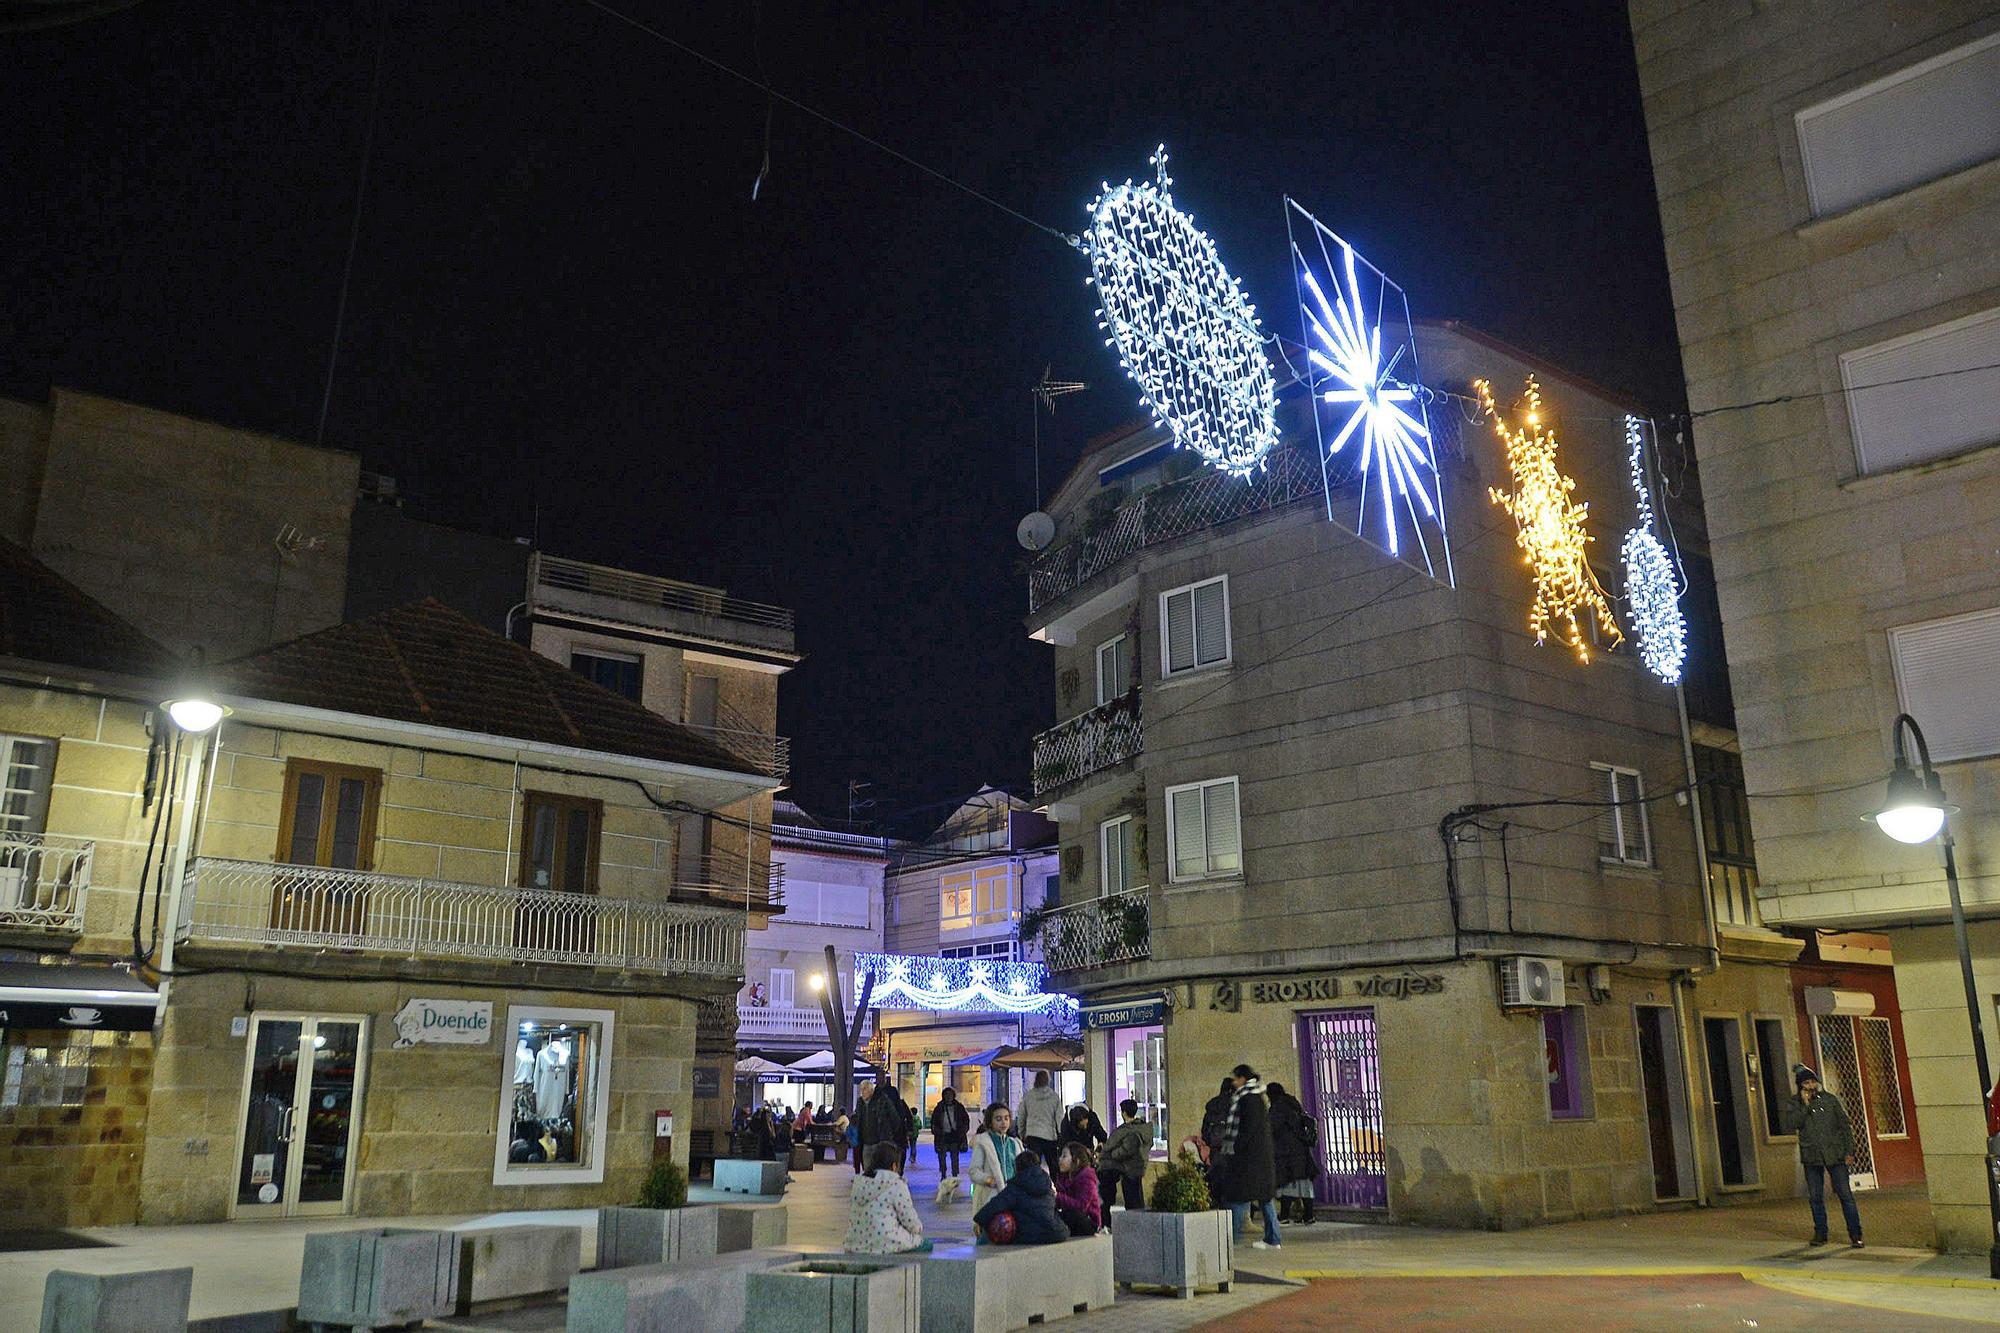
(1676, 1304)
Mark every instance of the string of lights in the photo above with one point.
(1652, 593)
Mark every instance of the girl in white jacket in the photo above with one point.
(993, 1152)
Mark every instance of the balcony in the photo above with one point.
(43, 882)
(759, 750)
(1204, 500)
(312, 907)
(1071, 751)
(727, 880)
(1098, 932)
(757, 1024)
(644, 601)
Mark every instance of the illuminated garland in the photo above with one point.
(1550, 531)
(957, 985)
(1651, 590)
(1181, 324)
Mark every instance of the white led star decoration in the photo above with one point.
(1181, 324)
(1651, 590)
(957, 985)
(1365, 394)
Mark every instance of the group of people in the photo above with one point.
(1260, 1149)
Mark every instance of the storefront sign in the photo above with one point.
(1230, 993)
(1144, 1011)
(96, 1017)
(450, 1022)
(707, 1082)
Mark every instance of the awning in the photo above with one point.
(104, 999)
(984, 1058)
(1049, 1055)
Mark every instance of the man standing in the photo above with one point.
(1826, 1147)
(1123, 1164)
(951, 1127)
(1040, 1117)
(1245, 1170)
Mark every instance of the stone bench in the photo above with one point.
(377, 1277)
(991, 1288)
(709, 1295)
(627, 1237)
(500, 1263)
(736, 1176)
(150, 1301)
(747, 1226)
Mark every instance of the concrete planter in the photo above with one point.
(153, 1301)
(1180, 1251)
(844, 1296)
(630, 1236)
(748, 1226)
(501, 1263)
(378, 1277)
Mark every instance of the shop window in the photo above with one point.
(618, 672)
(49, 1073)
(981, 897)
(1777, 1082)
(1139, 1071)
(1566, 1063)
(1624, 836)
(1194, 623)
(553, 1102)
(1114, 669)
(1202, 829)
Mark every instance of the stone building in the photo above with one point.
(1270, 724)
(1829, 186)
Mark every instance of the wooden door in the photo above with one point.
(559, 855)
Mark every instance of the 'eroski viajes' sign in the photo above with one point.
(460, 1022)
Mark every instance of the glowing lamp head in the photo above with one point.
(818, 981)
(196, 713)
(1915, 809)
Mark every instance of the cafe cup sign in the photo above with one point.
(1230, 994)
(447, 1022)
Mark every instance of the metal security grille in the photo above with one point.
(1343, 1094)
(1840, 1070)
(1878, 1065)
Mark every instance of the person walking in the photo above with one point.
(1041, 1117)
(950, 1126)
(1294, 1139)
(1078, 1202)
(1244, 1174)
(881, 1215)
(910, 1144)
(1826, 1149)
(1123, 1164)
(1031, 1197)
(994, 1154)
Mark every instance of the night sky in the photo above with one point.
(568, 317)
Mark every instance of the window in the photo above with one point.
(1114, 669)
(1202, 829)
(1139, 1071)
(1623, 837)
(1725, 821)
(1938, 116)
(1927, 395)
(1776, 1068)
(980, 897)
(1878, 1075)
(1114, 843)
(27, 766)
(554, 1096)
(1566, 1063)
(1003, 949)
(783, 995)
(559, 836)
(704, 700)
(1052, 890)
(1944, 677)
(618, 672)
(1194, 626)
(329, 815)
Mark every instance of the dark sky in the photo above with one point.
(566, 309)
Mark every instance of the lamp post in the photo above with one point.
(1914, 812)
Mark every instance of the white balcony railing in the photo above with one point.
(646, 600)
(775, 1022)
(1098, 932)
(43, 881)
(1070, 751)
(258, 902)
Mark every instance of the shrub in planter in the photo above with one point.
(661, 1228)
(666, 1186)
(1182, 1243)
(1181, 1188)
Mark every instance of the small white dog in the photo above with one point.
(948, 1189)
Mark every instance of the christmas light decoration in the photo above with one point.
(1549, 526)
(1364, 392)
(1182, 327)
(1652, 592)
(957, 985)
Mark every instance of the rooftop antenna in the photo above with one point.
(1045, 393)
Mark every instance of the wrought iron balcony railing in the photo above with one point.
(1201, 501)
(1070, 751)
(1098, 932)
(261, 902)
(43, 881)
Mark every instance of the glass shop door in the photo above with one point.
(302, 1088)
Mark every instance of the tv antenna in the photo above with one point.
(1045, 393)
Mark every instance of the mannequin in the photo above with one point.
(552, 1076)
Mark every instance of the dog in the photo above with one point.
(949, 1188)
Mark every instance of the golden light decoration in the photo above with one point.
(1549, 526)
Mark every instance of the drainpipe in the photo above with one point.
(1701, 1127)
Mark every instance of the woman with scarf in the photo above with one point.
(1244, 1173)
(994, 1150)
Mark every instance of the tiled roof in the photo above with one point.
(425, 663)
(46, 618)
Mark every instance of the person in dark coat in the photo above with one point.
(1031, 1197)
(1294, 1140)
(1826, 1150)
(764, 1135)
(878, 1119)
(1214, 1120)
(1081, 1126)
(951, 1125)
(1244, 1174)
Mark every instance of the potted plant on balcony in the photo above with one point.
(1126, 926)
(1184, 1242)
(661, 1228)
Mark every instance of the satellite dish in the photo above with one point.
(1036, 531)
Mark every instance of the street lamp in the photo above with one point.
(1914, 812)
(193, 709)
(817, 981)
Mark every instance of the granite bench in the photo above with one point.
(749, 1226)
(501, 1263)
(377, 1277)
(151, 1300)
(627, 1237)
(734, 1175)
(707, 1294)
(992, 1288)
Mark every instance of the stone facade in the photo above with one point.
(1816, 562)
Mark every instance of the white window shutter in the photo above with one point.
(1948, 678)
(1211, 623)
(1927, 395)
(1180, 631)
(1189, 842)
(1608, 843)
(1632, 819)
(1219, 820)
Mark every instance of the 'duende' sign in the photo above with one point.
(451, 1022)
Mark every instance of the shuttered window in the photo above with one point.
(1928, 395)
(1114, 840)
(1114, 669)
(1623, 835)
(1204, 829)
(1945, 673)
(1196, 626)
(1938, 116)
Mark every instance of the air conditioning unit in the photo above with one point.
(1531, 983)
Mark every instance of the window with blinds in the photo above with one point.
(1938, 116)
(1114, 669)
(1194, 626)
(1203, 829)
(1945, 671)
(1114, 839)
(1623, 835)
(1927, 395)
